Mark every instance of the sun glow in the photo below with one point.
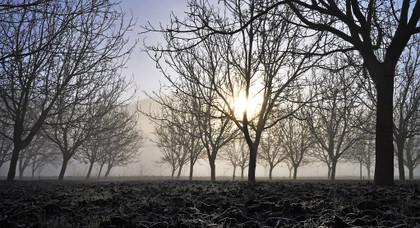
(252, 105)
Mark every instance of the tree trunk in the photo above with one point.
(295, 168)
(252, 162)
(361, 171)
(329, 172)
(333, 169)
(191, 170)
(384, 167)
(89, 171)
(63, 169)
(179, 172)
(173, 172)
(368, 170)
(242, 172)
(21, 168)
(411, 173)
(108, 170)
(212, 162)
(33, 167)
(234, 171)
(100, 170)
(290, 172)
(270, 172)
(400, 156)
(13, 162)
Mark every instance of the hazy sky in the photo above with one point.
(143, 69)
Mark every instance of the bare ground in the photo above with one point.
(205, 204)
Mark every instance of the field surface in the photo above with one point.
(206, 204)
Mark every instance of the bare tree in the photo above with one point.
(6, 146)
(362, 152)
(236, 153)
(47, 48)
(378, 30)
(407, 100)
(167, 143)
(412, 155)
(123, 141)
(39, 153)
(177, 133)
(271, 152)
(334, 118)
(296, 140)
(258, 63)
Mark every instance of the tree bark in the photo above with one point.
(333, 169)
(252, 162)
(191, 170)
(361, 171)
(13, 162)
(179, 172)
(400, 156)
(384, 167)
(100, 170)
(295, 168)
(63, 169)
(234, 171)
(108, 170)
(242, 172)
(411, 173)
(89, 171)
(212, 169)
(270, 176)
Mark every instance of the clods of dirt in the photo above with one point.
(206, 204)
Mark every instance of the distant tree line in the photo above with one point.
(336, 82)
(61, 94)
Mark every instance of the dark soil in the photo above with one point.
(206, 204)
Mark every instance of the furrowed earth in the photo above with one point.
(206, 204)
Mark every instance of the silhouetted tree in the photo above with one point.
(271, 151)
(236, 153)
(334, 117)
(44, 48)
(123, 141)
(407, 100)
(258, 63)
(412, 155)
(363, 153)
(378, 30)
(296, 141)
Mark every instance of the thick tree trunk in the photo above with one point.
(212, 169)
(89, 171)
(411, 173)
(108, 170)
(400, 157)
(234, 171)
(173, 172)
(295, 168)
(63, 169)
(191, 171)
(13, 162)
(384, 167)
(100, 170)
(179, 172)
(242, 172)
(329, 172)
(270, 176)
(21, 168)
(368, 170)
(252, 162)
(333, 169)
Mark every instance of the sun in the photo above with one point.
(251, 104)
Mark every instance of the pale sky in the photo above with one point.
(146, 76)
